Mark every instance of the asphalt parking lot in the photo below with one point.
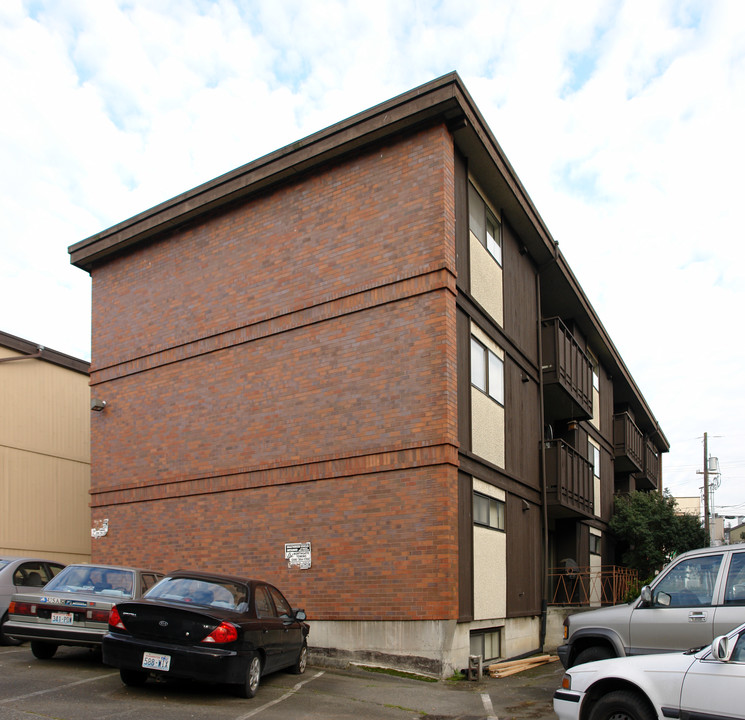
(75, 685)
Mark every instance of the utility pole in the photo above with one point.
(706, 487)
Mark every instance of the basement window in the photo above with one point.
(487, 643)
(488, 511)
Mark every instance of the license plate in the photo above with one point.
(153, 661)
(62, 618)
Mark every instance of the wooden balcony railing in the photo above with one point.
(649, 478)
(567, 373)
(628, 444)
(569, 481)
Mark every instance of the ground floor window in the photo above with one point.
(487, 643)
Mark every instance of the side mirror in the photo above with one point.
(646, 596)
(663, 599)
(721, 648)
(300, 615)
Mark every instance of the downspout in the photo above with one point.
(544, 494)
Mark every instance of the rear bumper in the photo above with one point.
(60, 635)
(203, 663)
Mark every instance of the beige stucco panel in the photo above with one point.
(489, 573)
(487, 428)
(486, 280)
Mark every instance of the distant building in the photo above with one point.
(688, 506)
(44, 452)
(365, 347)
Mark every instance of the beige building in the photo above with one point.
(688, 505)
(44, 452)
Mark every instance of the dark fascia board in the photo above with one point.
(445, 100)
(25, 347)
(437, 99)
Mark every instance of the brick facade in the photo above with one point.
(286, 371)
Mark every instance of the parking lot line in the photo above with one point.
(289, 693)
(486, 700)
(59, 687)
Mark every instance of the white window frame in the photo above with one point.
(480, 218)
(487, 371)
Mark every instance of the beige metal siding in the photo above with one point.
(44, 459)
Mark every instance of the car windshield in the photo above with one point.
(3, 563)
(113, 582)
(199, 591)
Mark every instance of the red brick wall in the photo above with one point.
(285, 372)
(384, 546)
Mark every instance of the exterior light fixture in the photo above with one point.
(97, 404)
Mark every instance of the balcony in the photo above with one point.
(649, 478)
(569, 482)
(567, 374)
(628, 444)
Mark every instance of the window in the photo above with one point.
(488, 511)
(593, 452)
(736, 581)
(487, 371)
(484, 225)
(595, 547)
(487, 643)
(691, 582)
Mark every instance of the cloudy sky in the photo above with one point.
(623, 119)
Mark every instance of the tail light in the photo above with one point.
(21, 608)
(101, 616)
(223, 633)
(115, 620)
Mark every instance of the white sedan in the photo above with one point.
(709, 683)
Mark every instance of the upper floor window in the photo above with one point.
(484, 224)
(594, 457)
(487, 371)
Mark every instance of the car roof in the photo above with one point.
(115, 567)
(201, 575)
(736, 547)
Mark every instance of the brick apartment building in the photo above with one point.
(366, 341)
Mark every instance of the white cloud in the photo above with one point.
(622, 118)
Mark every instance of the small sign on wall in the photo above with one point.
(298, 555)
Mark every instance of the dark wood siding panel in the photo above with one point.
(524, 557)
(522, 425)
(606, 405)
(607, 485)
(463, 333)
(462, 262)
(520, 300)
(465, 547)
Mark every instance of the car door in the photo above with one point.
(731, 610)
(292, 633)
(272, 628)
(714, 689)
(681, 614)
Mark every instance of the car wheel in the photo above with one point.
(623, 705)
(43, 650)
(4, 639)
(302, 660)
(590, 654)
(133, 678)
(250, 686)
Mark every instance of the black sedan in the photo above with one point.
(205, 627)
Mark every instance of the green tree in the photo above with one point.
(650, 534)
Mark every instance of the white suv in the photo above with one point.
(705, 684)
(699, 595)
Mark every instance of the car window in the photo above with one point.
(735, 593)
(738, 655)
(691, 582)
(92, 579)
(31, 574)
(148, 580)
(264, 606)
(283, 607)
